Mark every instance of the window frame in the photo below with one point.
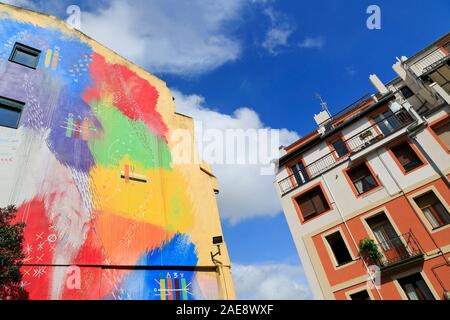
(333, 254)
(433, 211)
(406, 89)
(15, 105)
(436, 123)
(402, 279)
(352, 184)
(416, 152)
(303, 193)
(26, 49)
(421, 214)
(334, 152)
(359, 292)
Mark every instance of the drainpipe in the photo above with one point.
(351, 235)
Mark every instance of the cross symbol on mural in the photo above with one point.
(26, 272)
(39, 272)
(28, 248)
(128, 175)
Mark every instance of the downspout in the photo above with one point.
(353, 239)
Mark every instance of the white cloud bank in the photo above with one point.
(244, 192)
(180, 37)
(270, 282)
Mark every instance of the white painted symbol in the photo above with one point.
(52, 238)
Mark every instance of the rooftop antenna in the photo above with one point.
(323, 104)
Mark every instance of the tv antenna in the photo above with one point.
(323, 104)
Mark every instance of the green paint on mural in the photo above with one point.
(122, 137)
(175, 206)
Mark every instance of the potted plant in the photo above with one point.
(369, 250)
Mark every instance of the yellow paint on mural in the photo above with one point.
(162, 200)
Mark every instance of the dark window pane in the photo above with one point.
(339, 248)
(362, 295)
(416, 288)
(406, 92)
(362, 179)
(24, 58)
(433, 210)
(340, 147)
(9, 117)
(25, 55)
(406, 156)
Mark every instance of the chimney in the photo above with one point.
(378, 84)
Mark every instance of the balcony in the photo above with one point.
(429, 62)
(360, 141)
(397, 253)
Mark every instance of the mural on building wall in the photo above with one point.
(97, 186)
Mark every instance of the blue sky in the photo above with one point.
(258, 63)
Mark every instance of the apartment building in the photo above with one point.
(367, 195)
(87, 158)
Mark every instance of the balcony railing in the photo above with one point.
(363, 139)
(429, 61)
(398, 251)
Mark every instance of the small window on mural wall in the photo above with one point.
(10, 112)
(25, 56)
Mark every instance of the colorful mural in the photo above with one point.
(94, 179)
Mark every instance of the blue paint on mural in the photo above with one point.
(151, 284)
(57, 105)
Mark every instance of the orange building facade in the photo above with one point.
(367, 195)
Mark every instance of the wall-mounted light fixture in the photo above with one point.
(217, 241)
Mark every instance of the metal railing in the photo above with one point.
(355, 105)
(429, 61)
(355, 143)
(400, 249)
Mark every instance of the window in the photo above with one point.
(312, 203)
(340, 148)
(10, 112)
(300, 173)
(406, 92)
(362, 179)
(339, 248)
(406, 156)
(362, 295)
(442, 131)
(387, 122)
(442, 76)
(416, 288)
(433, 210)
(25, 56)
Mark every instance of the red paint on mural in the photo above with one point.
(38, 246)
(131, 94)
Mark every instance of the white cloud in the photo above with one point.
(244, 192)
(310, 42)
(180, 37)
(270, 282)
(278, 35)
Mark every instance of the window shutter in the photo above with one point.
(443, 132)
(307, 207)
(319, 202)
